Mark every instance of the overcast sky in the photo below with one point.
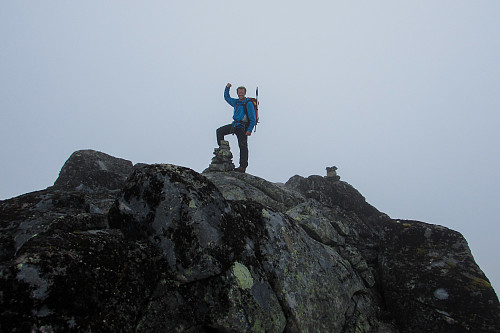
(402, 96)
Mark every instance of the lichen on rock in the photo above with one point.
(242, 275)
(162, 248)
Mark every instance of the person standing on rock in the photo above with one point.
(243, 123)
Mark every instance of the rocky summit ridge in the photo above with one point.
(117, 247)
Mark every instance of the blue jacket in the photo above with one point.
(239, 111)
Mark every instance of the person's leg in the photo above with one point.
(243, 144)
(223, 131)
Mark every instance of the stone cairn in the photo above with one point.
(331, 172)
(223, 159)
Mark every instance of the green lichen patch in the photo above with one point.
(242, 275)
(478, 283)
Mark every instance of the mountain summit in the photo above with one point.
(161, 248)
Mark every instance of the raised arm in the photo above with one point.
(227, 97)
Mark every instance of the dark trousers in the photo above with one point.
(242, 140)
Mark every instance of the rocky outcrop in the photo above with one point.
(162, 248)
(91, 170)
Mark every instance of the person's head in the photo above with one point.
(241, 91)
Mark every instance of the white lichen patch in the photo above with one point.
(102, 165)
(123, 207)
(438, 264)
(31, 275)
(441, 294)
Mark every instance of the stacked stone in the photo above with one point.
(223, 159)
(331, 172)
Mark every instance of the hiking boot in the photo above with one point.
(240, 169)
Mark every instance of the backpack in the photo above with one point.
(255, 102)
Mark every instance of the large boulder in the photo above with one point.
(63, 269)
(213, 280)
(92, 170)
(272, 274)
(77, 281)
(85, 189)
(431, 282)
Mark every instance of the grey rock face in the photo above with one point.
(243, 186)
(209, 246)
(177, 251)
(443, 288)
(172, 207)
(90, 170)
(61, 267)
(80, 198)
